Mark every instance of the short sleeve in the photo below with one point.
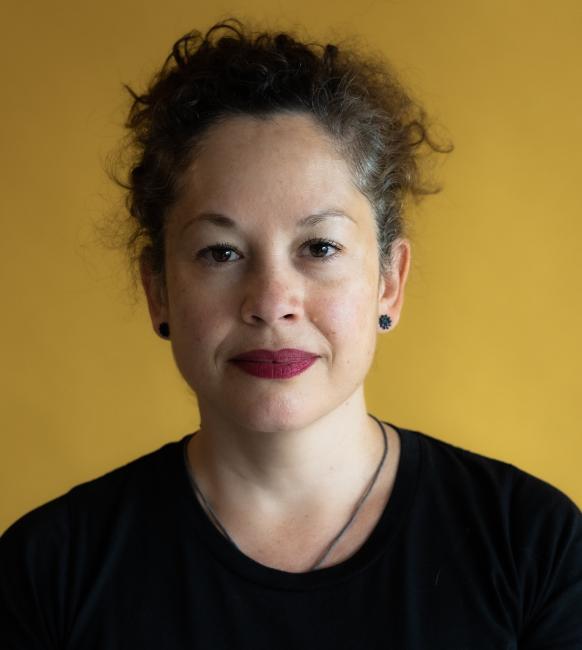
(34, 555)
(548, 526)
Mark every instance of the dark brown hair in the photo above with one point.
(230, 70)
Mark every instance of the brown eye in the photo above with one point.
(320, 247)
(221, 254)
(324, 245)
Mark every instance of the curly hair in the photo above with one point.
(230, 70)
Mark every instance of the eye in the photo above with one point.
(222, 252)
(218, 251)
(324, 244)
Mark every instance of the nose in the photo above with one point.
(272, 295)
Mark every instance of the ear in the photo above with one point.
(392, 283)
(155, 291)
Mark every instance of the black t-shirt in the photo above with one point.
(470, 553)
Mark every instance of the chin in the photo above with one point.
(273, 415)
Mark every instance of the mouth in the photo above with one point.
(276, 369)
(284, 356)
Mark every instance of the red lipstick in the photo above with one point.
(275, 364)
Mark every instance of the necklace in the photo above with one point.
(334, 541)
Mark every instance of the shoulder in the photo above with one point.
(50, 555)
(484, 479)
(51, 521)
(523, 528)
(503, 505)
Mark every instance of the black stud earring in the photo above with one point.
(385, 321)
(164, 330)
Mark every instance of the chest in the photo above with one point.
(202, 604)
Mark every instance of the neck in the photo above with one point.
(323, 463)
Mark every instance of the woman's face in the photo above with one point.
(245, 270)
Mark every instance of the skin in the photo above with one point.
(275, 456)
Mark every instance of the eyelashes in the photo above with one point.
(223, 247)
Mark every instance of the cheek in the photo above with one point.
(346, 312)
(198, 331)
(198, 320)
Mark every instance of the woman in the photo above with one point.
(268, 195)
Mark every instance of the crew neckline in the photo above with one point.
(377, 543)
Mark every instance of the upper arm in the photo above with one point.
(34, 555)
(550, 567)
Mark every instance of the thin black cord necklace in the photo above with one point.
(335, 539)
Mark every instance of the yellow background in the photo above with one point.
(488, 352)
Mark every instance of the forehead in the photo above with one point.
(254, 138)
(259, 166)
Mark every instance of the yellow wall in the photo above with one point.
(488, 352)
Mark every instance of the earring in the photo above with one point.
(164, 330)
(385, 321)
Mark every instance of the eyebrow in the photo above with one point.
(223, 221)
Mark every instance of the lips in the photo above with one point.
(286, 355)
(275, 364)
